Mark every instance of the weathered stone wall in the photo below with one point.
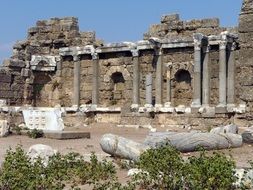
(86, 79)
(245, 64)
(181, 83)
(147, 65)
(115, 86)
(214, 75)
(67, 78)
(46, 38)
(172, 27)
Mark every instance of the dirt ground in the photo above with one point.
(85, 146)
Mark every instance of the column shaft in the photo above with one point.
(95, 79)
(159, 79)
(136, 78)
(197, 76)
(168, 75)
(231, 76)
(149, 89)
(222, 75)
(206, 78)
(76, 95)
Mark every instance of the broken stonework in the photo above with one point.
(193, 65)
(4, 128)
(44, 119)
(41, 151)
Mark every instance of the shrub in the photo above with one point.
(163, 168)
(210, 172)
(35, 133)
(18, 172)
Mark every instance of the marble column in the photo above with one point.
(95, 79)
(168, 86)
(223, 74)
(136, 79)
(197, 74)
(148, 90)
(159, 79)
(206, 77)
(76, 93)
(231, 75)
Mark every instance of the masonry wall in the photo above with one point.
(86, 79)
(115, 86)
(67, 78)
(245, 64)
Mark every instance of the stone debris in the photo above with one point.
(183, 141)
(4, 128)
(226, 129)
(41, 151)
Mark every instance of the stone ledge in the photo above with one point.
(63, 135)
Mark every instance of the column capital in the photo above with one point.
(223, 44)
(135, 52)
(197, 45)
(233, 46)
(94, 55)
(169, 65)
(158, 51)
(207, 48)
(76, 58)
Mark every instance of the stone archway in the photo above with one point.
(116, 78)
(42, 90)
(115, 69)
(182, 84)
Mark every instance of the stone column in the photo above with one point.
(231, 75)
(159, 79)
(168, 86)
(206, 78)
(58, 66)
(76, 93)
(95, 79)
(148, 90)
(223, 75)
(136, 79)
(197, 73)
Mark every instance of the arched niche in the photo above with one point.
(182, 87)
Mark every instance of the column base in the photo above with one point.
(231, 108)
(167, 105)
(158, 105)
(221, 108)
(135, 107)
(196, 103)
(148, 106)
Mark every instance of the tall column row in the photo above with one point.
(201, 86)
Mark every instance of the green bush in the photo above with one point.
(19, 172)
(164, 168)
(210, 172)
(161, 168)
(35, 133)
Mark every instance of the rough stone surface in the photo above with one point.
(226, 129)
(40, 72)
(42, 151)
(4, 128)
(188, 142)
(63, 135)
(121, 147)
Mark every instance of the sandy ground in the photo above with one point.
(86, 146)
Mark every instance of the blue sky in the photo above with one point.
(113, 20)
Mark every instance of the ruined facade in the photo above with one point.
(182, 72)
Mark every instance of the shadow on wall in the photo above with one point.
(182, 88)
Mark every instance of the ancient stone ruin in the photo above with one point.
(182, 73)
